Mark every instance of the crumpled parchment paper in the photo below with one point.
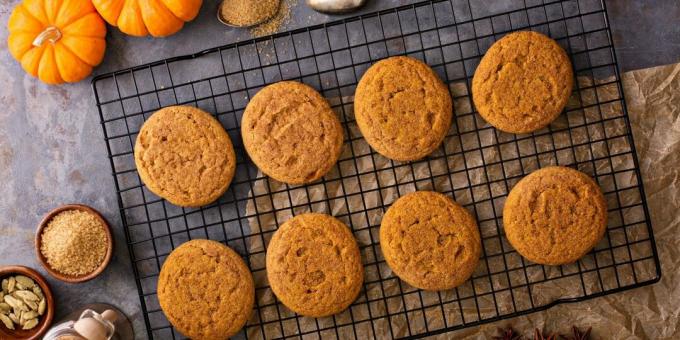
(361, 186)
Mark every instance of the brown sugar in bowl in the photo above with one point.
(69, 278)
(45, 320)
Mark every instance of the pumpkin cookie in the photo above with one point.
(402, 108)
(184, 155)
(206, 290)
(430, 241)
(555, 215)
(314, 266)
(523, 82)
(291, 133)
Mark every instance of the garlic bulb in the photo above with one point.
(335, 6)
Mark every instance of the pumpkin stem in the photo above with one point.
(51, 34)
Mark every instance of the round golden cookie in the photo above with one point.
(314, 265)
(523, 82)
(206, 290)
(555, 215)
(430, 241)
(402, 108)
(184, 155)
(291, 133)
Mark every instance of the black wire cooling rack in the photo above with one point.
(477, 165)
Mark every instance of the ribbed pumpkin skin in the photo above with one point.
(159, 18)
(72, 53)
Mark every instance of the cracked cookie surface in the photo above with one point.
(430, 241)
(206, 290)
(314, 265)
(402, 108)
(184, 155)
(555, 215)
(291, 133)
(523, 82)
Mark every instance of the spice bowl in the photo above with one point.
(71, 278)
(45, 320)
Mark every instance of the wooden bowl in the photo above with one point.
(68, 278)
(45, 320)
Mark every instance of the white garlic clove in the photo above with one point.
(335, 6)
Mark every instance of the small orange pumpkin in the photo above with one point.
(57, 40)
(160, 18)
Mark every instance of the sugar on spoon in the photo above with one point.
(260, 11)
(324, 6)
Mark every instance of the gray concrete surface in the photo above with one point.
(52, 149)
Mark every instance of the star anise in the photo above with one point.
(577, 334)
(508, 334)
(538, 335)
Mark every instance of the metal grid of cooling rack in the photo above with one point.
(477, 165)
